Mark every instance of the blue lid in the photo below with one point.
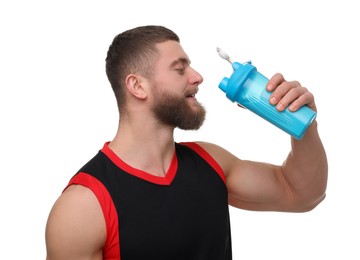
(233, 85)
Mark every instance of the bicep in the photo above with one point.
(258, 186)
(75, 227)
(252, 185)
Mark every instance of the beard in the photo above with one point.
(176, 111)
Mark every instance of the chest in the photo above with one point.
(185, 219)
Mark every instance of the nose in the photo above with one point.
(195, 78)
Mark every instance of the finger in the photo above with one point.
(274, 82)
(306, 99)
(281, 90)
(291, 96)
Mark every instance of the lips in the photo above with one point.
(191, 94)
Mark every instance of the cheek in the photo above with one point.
(170, 81)
(173, 88)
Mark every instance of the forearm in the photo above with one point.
(306, 168)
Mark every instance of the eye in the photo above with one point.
(181, 70)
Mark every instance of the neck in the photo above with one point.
(144, 144)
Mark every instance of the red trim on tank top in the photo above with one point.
(207, 157)
(111, 249)
(161, 180)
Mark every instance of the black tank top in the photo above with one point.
(182, 216)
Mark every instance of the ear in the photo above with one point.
(136, 86)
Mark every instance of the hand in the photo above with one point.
(289, 94)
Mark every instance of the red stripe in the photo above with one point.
(111, 250)
(207, 157)
(161, 180)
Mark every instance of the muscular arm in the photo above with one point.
(76, 226)
(306, 169)
(297, 185)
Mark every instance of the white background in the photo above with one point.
(57, 107)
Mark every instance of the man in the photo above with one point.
(145, 196)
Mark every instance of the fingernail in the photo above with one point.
(280, 107)
(273, 100)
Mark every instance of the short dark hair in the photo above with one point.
(134, 51)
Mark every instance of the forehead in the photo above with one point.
(171, 52)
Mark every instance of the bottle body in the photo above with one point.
(247, 87)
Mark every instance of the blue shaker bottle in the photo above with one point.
(247, 87)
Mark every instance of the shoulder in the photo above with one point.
(223, 157)
(77, 198)
(76, 226)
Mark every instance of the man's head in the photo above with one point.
(154, 53)
(134, 51)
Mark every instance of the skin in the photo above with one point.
(76, 226)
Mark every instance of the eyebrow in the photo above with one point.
(183, 61)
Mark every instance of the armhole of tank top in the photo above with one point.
(111, 247)
(207, 157)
